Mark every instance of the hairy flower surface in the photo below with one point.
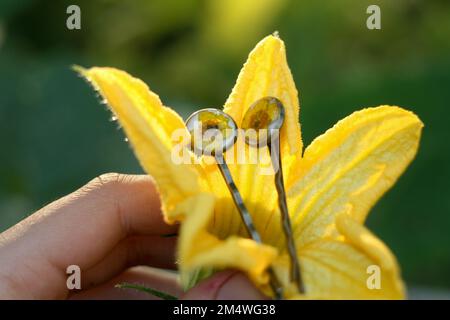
(331, 186)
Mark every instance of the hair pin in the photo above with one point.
(266, 117)
(218, 133)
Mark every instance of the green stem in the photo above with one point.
(153, 292)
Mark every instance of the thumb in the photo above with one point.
(226, 285)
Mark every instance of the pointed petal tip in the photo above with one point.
(273, 38)
(79, 69)
(399, 109)
(95, 69)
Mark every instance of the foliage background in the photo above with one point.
(55, 136)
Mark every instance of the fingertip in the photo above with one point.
(226, 285)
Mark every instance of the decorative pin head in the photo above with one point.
(265, 116)
(212, 131)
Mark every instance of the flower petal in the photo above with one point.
(352, 164)
(347, 267)
(266, 73)
(148, 126)
(198, 248)
(255, 183)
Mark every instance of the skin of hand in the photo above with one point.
(113, 229)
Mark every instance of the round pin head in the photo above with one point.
(263, 118)
(212, 131)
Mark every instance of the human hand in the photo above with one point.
(107, 228)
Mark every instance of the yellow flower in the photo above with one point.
(331, 186)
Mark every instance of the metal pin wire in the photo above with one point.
(246, 218)
(274, 150)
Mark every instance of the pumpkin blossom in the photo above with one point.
(331, 185)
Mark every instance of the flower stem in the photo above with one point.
(153, 292)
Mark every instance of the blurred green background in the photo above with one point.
(55, 136)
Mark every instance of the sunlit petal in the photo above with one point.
(353, 163)
(266, 73)
(149, 126)
(354, 265)
(199, 248)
